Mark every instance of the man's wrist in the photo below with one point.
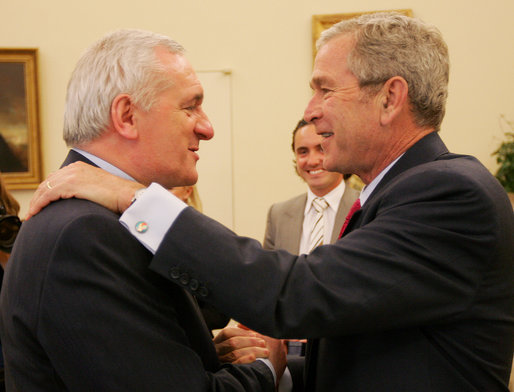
(155, 210)
(129, 197)
(137, 194)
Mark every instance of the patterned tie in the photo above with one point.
(356, 206)
(318, 230)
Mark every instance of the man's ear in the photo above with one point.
(123, 116)
(394, 99)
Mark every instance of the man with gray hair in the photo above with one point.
(80, 309)
(418, 294)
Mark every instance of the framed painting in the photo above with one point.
(20, 152)
(323, 22)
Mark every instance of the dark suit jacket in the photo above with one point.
(285, 221)
(80, 311)
(417, 296)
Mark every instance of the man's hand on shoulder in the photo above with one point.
(84, 181)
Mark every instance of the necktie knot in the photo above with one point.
(319, 204)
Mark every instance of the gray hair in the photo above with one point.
(122, 62)
(390, 44)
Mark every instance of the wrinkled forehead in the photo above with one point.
(332, 59)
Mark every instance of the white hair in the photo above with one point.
(123, 62)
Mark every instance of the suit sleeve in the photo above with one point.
(108, 323)
(424, 251)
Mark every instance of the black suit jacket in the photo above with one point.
(417, 296)
(81, 311)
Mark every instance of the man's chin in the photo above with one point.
(176, 181)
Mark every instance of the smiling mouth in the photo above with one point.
(317, 171)
(194, 151)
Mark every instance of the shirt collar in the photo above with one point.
(368, 189)
(333, 198)
(104, 164)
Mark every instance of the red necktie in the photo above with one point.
(355, 207)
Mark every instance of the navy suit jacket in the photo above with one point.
(417, 296)
(81, 311)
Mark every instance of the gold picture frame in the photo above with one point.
(323, 22)
(20, 150)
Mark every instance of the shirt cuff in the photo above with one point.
(268, 363)
(151, 215)
(286, 381)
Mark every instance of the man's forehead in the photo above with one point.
(323, 72)
(307, 137)
(332, 57)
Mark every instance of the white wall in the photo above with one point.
(267, 45)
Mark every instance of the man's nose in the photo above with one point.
(315, 158)
(313, 109)
(203, 127)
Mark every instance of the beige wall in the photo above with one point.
(267, 46)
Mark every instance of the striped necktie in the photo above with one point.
(318, 230)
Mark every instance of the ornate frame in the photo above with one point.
(20, 150)
(323, 22)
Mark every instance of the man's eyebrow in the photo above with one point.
(197, 97)
(194, 99)
(317, 81)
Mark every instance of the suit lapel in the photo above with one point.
(293, 219)
(425, 150)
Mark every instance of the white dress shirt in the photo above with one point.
(333, 198)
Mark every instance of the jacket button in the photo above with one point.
(184, 279)
(194, 284)
(174, 273)
(202, 291)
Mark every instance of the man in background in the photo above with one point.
(80, 310)
(316, 217)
